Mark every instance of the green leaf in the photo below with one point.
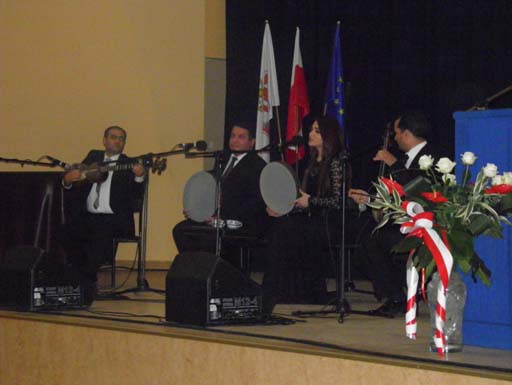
(479, 223)
(479, 269)
(505, 205)
(460, 244)
(417, 186)
(490, 210)
(494, 232)
(483, 277)
(424, 257)
(430, 269)
(464, 265)
(381, 224)
(407, 244)
(382, 192)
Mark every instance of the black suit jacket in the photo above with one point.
(124, 193)
(240, 193)
(403, 175)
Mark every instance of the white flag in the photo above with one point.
(268, 96)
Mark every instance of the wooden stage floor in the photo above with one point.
(361, 337)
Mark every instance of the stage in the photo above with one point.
(128, 341)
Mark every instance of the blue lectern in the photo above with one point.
(488, 313)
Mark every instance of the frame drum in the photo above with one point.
(199, 196)
(279, 187)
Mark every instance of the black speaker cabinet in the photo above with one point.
(203, 289)
(30, 280)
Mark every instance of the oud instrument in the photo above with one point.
(98, 172)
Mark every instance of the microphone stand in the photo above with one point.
(483, 105)
(219, 166)
(28, 161)
(147, 162)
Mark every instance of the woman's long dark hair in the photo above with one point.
(333, 145)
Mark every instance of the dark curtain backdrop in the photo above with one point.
(437, 56)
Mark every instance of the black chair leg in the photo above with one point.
(113, 266)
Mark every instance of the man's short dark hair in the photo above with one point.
(108, 129)
(246, 126)
(416, 122)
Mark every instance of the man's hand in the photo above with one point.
(385, 156)
(303, 201)
(138, 170)
(361, 197)
(71, 176)
(272, 213)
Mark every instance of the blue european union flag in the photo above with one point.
(334, 105)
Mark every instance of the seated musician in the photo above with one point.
(298, 242)
(388, 276)
(240, 197)
(101, 211)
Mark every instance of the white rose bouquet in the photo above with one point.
(461, 211)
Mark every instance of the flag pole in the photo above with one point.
(297, 146)
(332, 50)
(279, 134)
(268, 94)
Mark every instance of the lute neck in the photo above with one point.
(117, 167)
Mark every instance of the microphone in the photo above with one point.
(200, 145)
(57, 162)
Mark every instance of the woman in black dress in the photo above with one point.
(299, 243)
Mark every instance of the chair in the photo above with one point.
(137, 239)
(245, 243)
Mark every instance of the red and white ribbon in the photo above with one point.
(421, 226)
(412, 287)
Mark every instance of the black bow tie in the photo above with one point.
(403, 159)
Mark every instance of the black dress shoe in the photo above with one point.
(389, 309)
(268, 305)
(90, 291)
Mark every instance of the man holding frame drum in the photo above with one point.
(240, 202)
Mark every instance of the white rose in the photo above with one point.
(425, 162)
(449, 179)
(491, 170)
(498, 179)
(445, 165)
(468, 158)
(507, 178)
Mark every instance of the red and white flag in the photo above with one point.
(268, 96)
(298, 105)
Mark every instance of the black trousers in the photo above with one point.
(385, 269)
(191, 236)
(89, 243)
(297, 259)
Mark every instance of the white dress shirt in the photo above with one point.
(413, 152)
(104, 201)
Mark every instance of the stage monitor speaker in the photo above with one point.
(203, 289)
(31, 280)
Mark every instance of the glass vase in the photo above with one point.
(455, 302)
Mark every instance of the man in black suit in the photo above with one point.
(386, 273)
(240, 196)
(411, 133)
(101, 211)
